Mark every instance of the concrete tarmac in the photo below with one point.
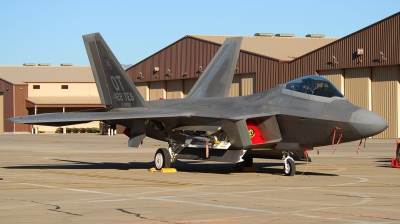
(88, 178)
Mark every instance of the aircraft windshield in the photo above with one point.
(314, 85)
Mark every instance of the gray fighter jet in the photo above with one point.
(280, 123)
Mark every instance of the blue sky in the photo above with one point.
(45, 31)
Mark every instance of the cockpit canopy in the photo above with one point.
(314, 85)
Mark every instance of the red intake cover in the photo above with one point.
(255, 134)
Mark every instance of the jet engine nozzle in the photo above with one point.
(367, 123)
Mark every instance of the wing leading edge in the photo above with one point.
(59, 119)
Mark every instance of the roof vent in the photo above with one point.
(264, 34)
(29, 64)
(44, 64)
(66, 64)
(316, 35)
(284, 35)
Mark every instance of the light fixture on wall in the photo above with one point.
(335, 61)
(140, 77)
(383, 58)
(155, 70)
(200, 70)
(359, 53)
(168, 73)
(237, 69)
(184, 75)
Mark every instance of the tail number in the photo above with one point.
(125, 96)
(120, 96)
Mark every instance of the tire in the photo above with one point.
(291, 169)
(162, 159)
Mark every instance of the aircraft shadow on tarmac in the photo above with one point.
(181, 166)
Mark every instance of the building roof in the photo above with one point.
(65, 74)
(281, 48)
(65, 100)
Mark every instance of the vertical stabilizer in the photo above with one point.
(216, 80)
(115, 87)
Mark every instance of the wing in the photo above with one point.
(216, 80)
(61, 119)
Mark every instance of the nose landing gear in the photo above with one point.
(289, 166)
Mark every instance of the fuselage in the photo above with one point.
(309, 120)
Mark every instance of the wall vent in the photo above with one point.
(264, 34)
(316, 35)
(284, 35)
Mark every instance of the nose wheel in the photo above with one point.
(289, 167)
(162, 159)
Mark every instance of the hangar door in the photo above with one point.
(242, 85)
(357, 86)
(385, 98)
(157, 90)
(335, 76)
(143, 88)
(187, 85)
(174, 89)
(1, 112)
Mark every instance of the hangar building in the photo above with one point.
(363, 65)
(31, 89)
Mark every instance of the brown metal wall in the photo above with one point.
(383, 36)
(187, 54)
(20, 95)
(1, 112)
(8, 98)
(385, 98)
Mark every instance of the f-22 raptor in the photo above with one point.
(283, 122)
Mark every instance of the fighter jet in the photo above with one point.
(283, 122)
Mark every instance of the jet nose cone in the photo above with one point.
(367, 123)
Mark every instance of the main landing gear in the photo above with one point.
(289, 167)
(162, 159)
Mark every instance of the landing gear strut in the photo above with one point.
(289, 167)
(247, 162)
